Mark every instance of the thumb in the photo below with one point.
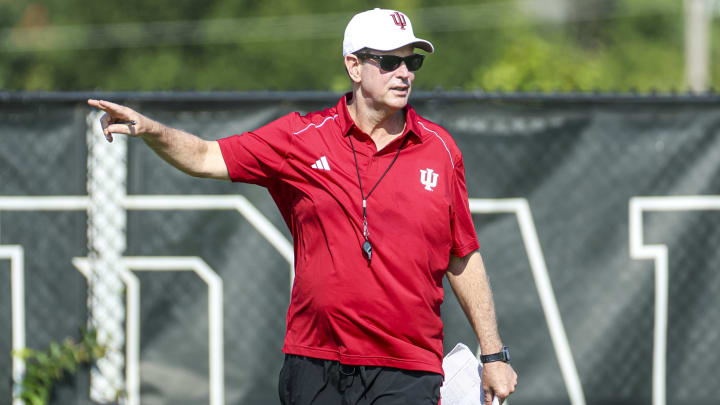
(488, 397)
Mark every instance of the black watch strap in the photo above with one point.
(503, 355)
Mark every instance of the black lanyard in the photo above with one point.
(367, 247)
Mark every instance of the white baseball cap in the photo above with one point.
(382, 30)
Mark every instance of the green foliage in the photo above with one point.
(715, 54)
(606, 45)
(45, 368)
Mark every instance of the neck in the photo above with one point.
(383, 125)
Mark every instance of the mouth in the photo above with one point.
(402, 89)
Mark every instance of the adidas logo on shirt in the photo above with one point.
(321, 164)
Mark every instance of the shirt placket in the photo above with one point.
(365, 149)
(370, 165)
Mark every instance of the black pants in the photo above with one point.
(309, 381)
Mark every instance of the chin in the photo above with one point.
(397, 103)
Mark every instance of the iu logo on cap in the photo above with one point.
(399, 19)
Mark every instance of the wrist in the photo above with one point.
(489, 346)
(155, 128)
(152, 129)
(503, 355)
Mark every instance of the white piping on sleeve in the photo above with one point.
(314, 125)
(441, 140)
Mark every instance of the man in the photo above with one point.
(375, 198)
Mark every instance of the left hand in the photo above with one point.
(498, 379)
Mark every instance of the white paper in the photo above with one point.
(462, 384)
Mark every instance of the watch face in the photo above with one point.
(506, 353)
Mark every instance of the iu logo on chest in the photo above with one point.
(429, 179)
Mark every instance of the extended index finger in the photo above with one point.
(109, 107)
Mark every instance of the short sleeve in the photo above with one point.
(464, 238)
(258, 156)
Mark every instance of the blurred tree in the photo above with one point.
(715, 49)
(518, 45)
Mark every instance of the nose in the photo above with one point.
(403, 71)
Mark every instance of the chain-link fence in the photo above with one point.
(574, 163)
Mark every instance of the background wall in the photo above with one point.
(553, 180)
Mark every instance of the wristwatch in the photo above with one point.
(503, 355)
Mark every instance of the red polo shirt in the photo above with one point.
(386, 313)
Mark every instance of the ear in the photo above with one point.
(352, 65)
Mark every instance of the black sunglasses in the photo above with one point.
(389, 63)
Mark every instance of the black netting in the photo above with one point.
(577, 164)
(43, 153)
(54, 289)
(43, 150)
(693, 282)
(6, 329)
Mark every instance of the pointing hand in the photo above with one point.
(119, 119)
